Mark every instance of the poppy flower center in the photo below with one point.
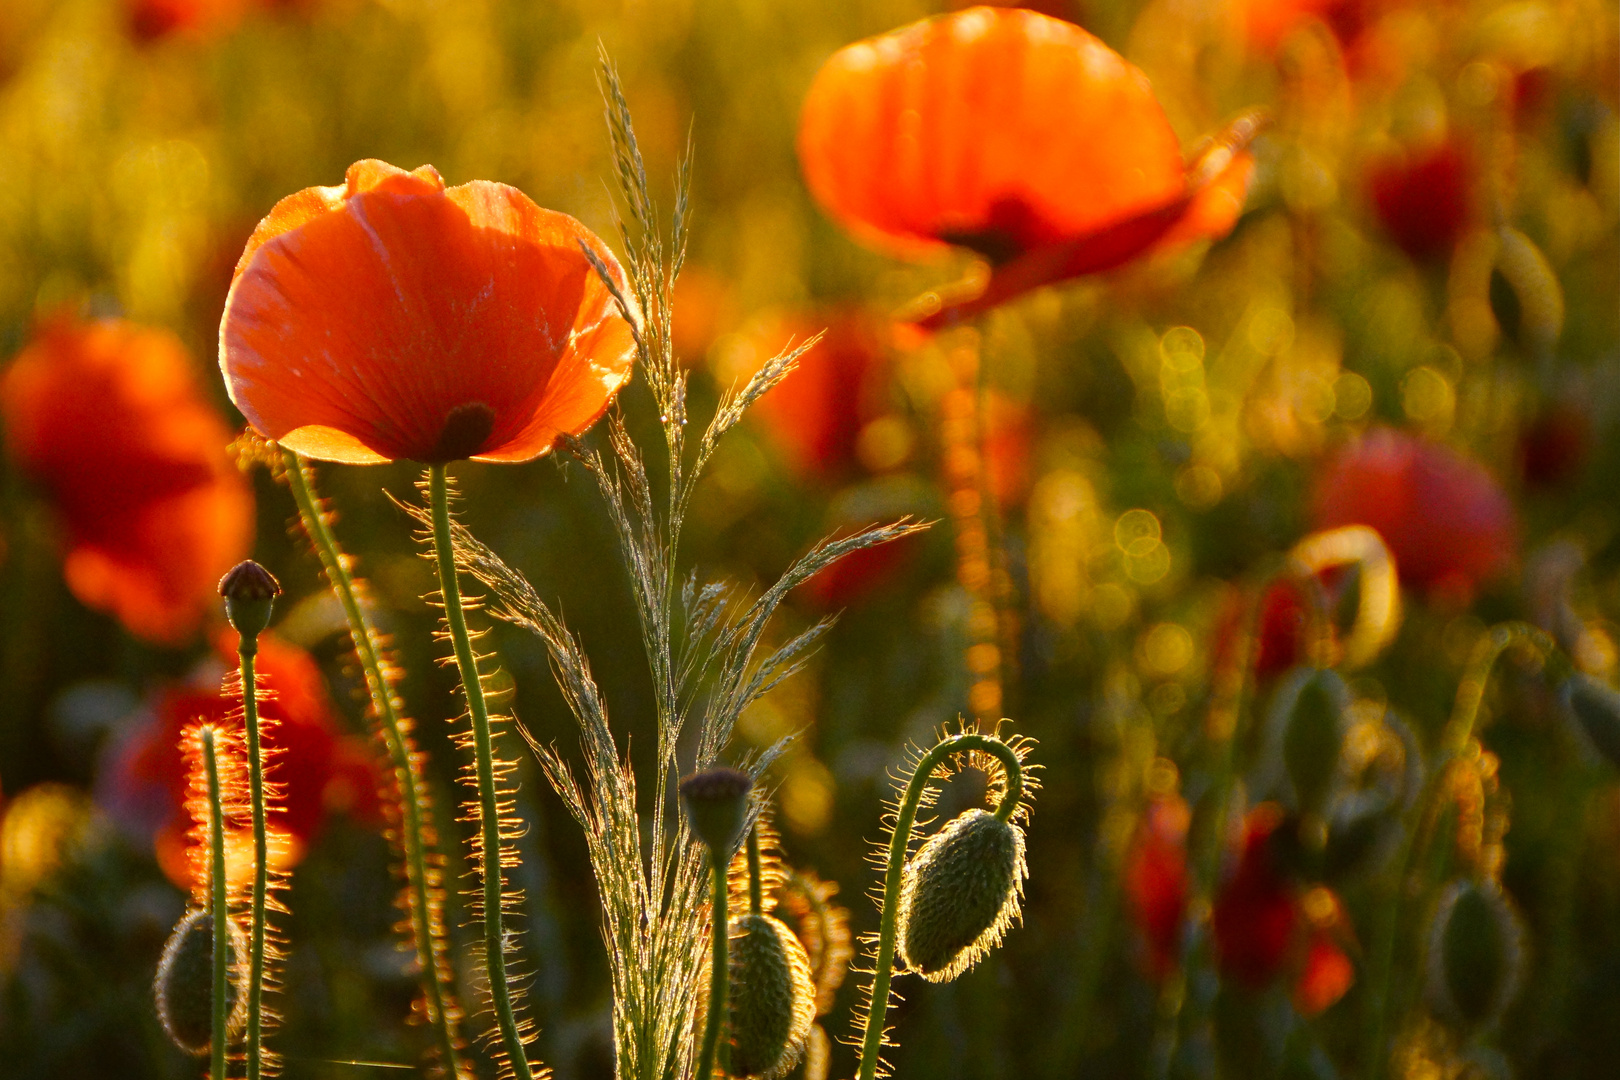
(466, 429)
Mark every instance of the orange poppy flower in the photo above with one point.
(393, 317)
(110, 419)
(1013, 134)
(316, 767)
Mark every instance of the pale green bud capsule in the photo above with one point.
(959, 894)
(772, 997)
(1475, 956)
(250, 593)
(184, 987)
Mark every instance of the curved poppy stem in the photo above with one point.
(1459, 731)
(483, 759)
(246, 650)
(216, 901)
(415, 845)
(899, 841)
(719, 966)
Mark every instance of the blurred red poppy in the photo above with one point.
(1265, 927)
(1279, 641)
(1423, 198)
(149, 20)
(1157, 884)
(1445, 519)
(815, 415)
(318, 769)
(1016, 135)
(395, 318)
(109, 417)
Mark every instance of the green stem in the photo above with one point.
(1459, 731)
(216, 899)
(883, 966)
(483, 758)
(756, 898)
(246, 650)
(397, 739)
(719, 966)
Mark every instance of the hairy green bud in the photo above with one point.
(1475, 956)
(184, 987)
(959, 894)
(772, 998)
(1306, 733)
(717, 806)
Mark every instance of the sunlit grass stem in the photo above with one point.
(217, 905)
(883, 967)
(368, 649)
(483, 757)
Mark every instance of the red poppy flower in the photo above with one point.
(396, 318)
(318, 769)
(815, 415)
(149, 20)
(1280, 633)
(1267, 925)
(1157, 884)
(1016, 135)
(109, 417)
(1423, 198)
(1445, 519)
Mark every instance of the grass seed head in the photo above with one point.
(772, 997)
(1475, 956)
(959, 894)
(184, 987)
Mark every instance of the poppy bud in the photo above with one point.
(716, 806)
(1596, 710)
(959, 894)
(250, 593)
(1474, 956)
(772, 998)
(184, 986)
(1306, 732)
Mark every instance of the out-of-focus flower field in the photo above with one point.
(1413, 324)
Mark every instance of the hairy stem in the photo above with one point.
(719, 963)
(216, 901)
(489, 822)
(756, 900)
(368, 648)
(246, 650)
(883, 967)
(1454, 742)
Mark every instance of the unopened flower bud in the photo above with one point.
(1307, 731)
(250, 593)
(1596, 709)
(1475, 956)
(959, 894)
(184, 986)
(717, 806)
(772, 997)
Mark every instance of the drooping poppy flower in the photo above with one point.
(1013, 134)
(393, 317)
(110, 418)
(1446, 521)
(318, 768)
(1157, 883)
(1423, 198)
(1268, 925)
